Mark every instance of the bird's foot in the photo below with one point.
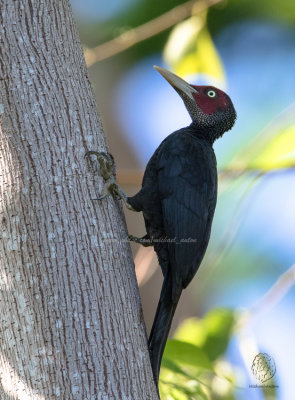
(107, 167)
(145, 241)
(106, 163)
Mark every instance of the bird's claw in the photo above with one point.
(107, 167)
(145, 241)
(106, 191)
(106, 162)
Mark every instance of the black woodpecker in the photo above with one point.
(178, 198)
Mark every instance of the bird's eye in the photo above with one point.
(211, 93)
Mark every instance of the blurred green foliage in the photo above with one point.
(278, 152)
(212, 333)
(193, 366)
(219, 16)
(272, 149)
(190, 49)
(236, 10)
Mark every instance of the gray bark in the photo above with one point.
(71, 324)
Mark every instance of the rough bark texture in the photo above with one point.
(71, 324)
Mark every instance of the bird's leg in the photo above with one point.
(145, 241)
(107, 167)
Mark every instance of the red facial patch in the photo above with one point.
(210, 105)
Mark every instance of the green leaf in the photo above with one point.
(172, 366)
(181, 391)
(211, 334)
(219, 325)
(192, 331)
(187, 354)
(190, 49)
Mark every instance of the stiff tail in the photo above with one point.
(161, 327)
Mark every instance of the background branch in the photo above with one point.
(146, 30)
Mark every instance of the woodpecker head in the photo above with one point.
(210, 109)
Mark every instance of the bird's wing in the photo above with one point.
(187, 194)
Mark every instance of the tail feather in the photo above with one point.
(161, 327)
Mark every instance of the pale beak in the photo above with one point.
(176, 82)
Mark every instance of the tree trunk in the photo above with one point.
(71, 324)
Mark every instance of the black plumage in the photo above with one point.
(178, 199)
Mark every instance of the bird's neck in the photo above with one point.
(203, 132)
